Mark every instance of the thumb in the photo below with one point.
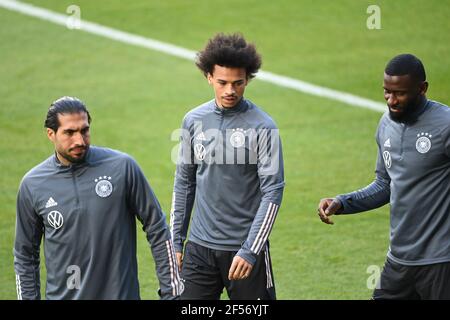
(334, 206)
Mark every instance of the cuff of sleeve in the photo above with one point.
(247, 255)
(178, 247)
(167, 296)
(343, 201)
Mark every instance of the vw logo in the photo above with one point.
(55, 219)
(387, 159)
(199, 151)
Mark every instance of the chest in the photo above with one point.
(412, 148)
(71, 201)
(224, 140)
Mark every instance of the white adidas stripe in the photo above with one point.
(184, 53)
(174, 275)
(172, 215)
(265, 228)
(268, 270)
(18, 287)
(269, 208)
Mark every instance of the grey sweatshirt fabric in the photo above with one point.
(413, 175)
(231, 164)
(87, 216)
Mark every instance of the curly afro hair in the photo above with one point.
(229, 51)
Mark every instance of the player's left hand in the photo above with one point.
(240, 269)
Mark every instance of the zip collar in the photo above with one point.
(239, 107)
(72, 167)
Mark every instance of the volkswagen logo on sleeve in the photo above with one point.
(103, 187)
(55, 219)
(199, 151)
(387, 159)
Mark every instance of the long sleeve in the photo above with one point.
(143, 202)
(271, 179)
(447, 142)
(184, 189)
(29, 230)
(373, 196)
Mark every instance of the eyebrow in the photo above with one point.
(75, 130)
(221, 80)
(398, 90)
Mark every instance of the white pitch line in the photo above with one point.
(183, 53)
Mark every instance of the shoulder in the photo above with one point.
(257, 117)
(439, 110)
(438, 116)
(38, 173)
(108, 156)
(384, 122)
(115, 159)
(101, 153)
(198, 113)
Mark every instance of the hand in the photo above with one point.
(328, 207)
(240, 269)
(179, 257)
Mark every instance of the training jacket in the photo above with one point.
(231, 164)
(87, 215)
(413, 175)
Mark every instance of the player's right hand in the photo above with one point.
(179, 257)
(328, 207)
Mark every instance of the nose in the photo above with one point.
(230, 90)
(391, 100)
(78, 139)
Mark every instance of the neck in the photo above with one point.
(63, 160)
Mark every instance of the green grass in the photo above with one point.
(138, 97)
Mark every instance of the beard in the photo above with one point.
(404, 113)
(75, 160)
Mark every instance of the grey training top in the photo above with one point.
(413, 174)
(87, 215)
(231, 163)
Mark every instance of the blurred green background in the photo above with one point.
(137, 97)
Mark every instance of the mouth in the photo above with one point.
(395, 109)
(78, 150)
(229, 99)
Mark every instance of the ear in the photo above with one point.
(210, 78)
(423, 88)
(51, 135)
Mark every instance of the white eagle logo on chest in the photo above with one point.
(103, 187)
(423, 143)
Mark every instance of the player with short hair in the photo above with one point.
(84, 201)
(231, 164)
(413, 175)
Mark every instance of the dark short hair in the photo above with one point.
(406, 64)
(229, 51)
(64, 105)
